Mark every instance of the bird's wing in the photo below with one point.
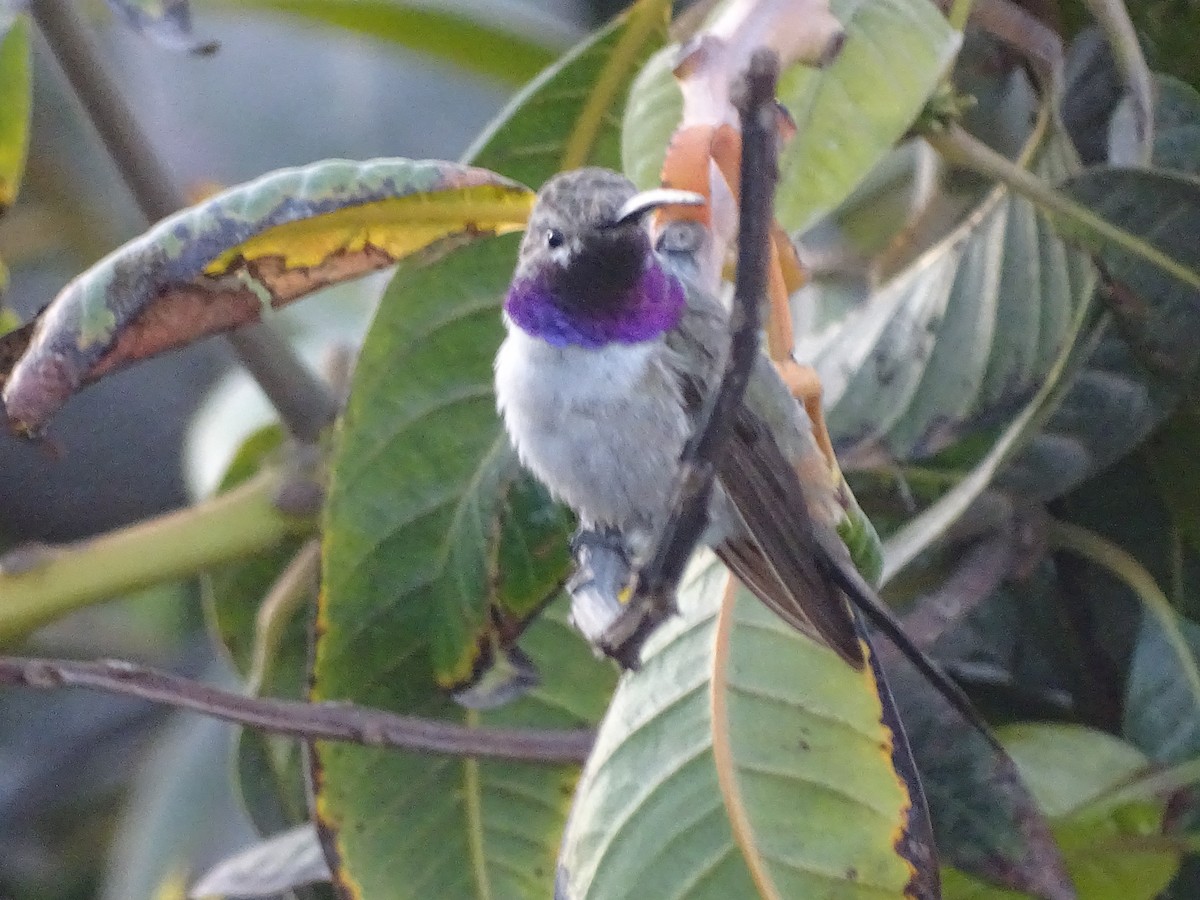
(780, 558)
(776, 555)
(788, 556)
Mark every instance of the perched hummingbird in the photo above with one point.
(612, 346)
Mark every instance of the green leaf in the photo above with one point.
(1157, 264)
(425, 505)
(424, 479)
(258, 246)
(1162, 709)
(499, 40)
(404, 825)
(711, 748)
(1108, 855)
(16, 86)
(1176, 128)
(984, 818)
(569, 116)
(849, 114)
(920, 532)
(971, 327)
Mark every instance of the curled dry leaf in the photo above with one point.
(256, 247)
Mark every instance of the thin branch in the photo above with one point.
(961, 148)
(40, 583)
(342, 722)
(305, 404)
(654, 596)
(983, 567)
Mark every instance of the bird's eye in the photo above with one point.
(554, 238)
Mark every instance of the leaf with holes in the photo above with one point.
(255, 247)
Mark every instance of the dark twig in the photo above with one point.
(304, 403)
(343, 722)
(654, 596)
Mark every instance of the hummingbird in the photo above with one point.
(612, 345)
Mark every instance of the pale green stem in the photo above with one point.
(295, 584)
(1146, 787)
(1113, 17)
(39, 585)
(960, 11)
(962, 149)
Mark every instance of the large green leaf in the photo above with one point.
(423, 481)
(426, 512)
(255, 247)
(15, 104)
(1159, 212)
(1111, 854)
(742, 760)
(971, 327)
(849, 114)
(402, 825)
(1133, 376)
(1135, 373)
(500, 40)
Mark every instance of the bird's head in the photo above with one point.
(586, 275)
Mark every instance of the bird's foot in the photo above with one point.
(586, 541)
(599, 586)
(624, 639)
(605, 607)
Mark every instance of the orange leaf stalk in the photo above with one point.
(705, 154)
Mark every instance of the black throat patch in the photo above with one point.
(602, 275)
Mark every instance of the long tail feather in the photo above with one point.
(800, 575)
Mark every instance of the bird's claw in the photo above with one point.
(609, 540)
(605, 607)
(625, 637)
